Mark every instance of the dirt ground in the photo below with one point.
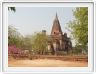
(45, 63)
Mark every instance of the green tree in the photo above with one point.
(39, 43)
(27, 43)
(14, 37)
(79, 26)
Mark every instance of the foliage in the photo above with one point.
(36, 43)
(39, 43)
(14, 37)
(17, 44)
(13, 49)
(27, 43)
(79, 49)
(79, 26)
(12, 9)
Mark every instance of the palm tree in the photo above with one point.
(12, 8)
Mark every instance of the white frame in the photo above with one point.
(48, 0)
(94, 37)
(90, 6)
(49, 73)
(1, 36)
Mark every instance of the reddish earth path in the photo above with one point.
(45, 63)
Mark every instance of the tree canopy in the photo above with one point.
(12, 8)
(79, 26)
(39, 42)
(14, 37)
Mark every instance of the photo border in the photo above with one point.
(50, 73)
(1, 36)
(48, 1)
(94, 36)
(51, 69)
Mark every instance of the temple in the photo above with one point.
(58, 41)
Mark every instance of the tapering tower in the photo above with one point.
(58, 41)
(57, 35)
(56, 29)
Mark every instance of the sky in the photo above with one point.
(28, 20)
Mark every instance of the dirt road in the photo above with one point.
(45, 63)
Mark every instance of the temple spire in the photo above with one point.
(56, 28)
(56, 16)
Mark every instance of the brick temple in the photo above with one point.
(58, 41)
